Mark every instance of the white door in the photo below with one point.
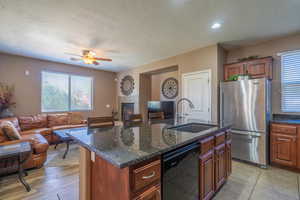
(196, 87)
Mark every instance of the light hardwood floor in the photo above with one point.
(60, 177)
(57, 177)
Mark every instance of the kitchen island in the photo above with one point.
(127, 162)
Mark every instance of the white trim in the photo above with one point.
(282, 82)
(197, 72)
(209, 85)
(288, 52)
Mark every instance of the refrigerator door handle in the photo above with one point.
(222, 108)
(245, 133)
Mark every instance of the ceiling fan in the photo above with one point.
(89, 57)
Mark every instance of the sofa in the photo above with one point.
(38, 130)
(45, 124)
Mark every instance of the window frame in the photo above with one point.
(282, 82)
(69, 92)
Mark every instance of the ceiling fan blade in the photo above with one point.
(104, 59)
(75, 59)
(73, 54)
(95, 63)
(111, 51)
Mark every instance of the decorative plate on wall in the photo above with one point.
(170, 88)
(127, 85)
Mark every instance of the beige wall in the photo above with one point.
(156, 83)
(28, 88)
(197, 60)
(269, 48)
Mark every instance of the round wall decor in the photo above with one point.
(127, 85)
(170, 88)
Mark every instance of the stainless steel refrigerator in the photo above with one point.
(246, 104)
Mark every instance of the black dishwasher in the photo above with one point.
(181, 173)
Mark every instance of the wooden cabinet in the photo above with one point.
(207, 174)
(143, 181)
(284, 149)
(260, 68)
(228, 158)
(257, 68)
(220, 166)
(284, 139)
(233, 69)
(220, 138)
(215, 164)
(284, 129)
(145, 175)
(154, 193)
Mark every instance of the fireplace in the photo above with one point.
(127, 110)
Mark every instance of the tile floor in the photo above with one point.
(60, 177)
(249, 182)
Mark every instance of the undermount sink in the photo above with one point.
(192, 127)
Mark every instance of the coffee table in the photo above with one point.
(64, 138)
(19, 152)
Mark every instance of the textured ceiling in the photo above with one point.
(135, 32)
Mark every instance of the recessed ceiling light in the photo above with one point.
(216, 26)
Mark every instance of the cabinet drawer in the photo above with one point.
(220, 138)
(207, 144)
(284, 129)
(145, 175)
(152, 193)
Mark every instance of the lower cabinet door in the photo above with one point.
(284, 149)
(220, 166)
(228, 158)
(207, 172)
(153, 193)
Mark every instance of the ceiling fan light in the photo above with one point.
(88, 61)
(91, 54)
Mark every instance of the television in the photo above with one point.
(154, 106)
(167, 107)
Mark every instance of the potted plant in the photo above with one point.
(6, 102)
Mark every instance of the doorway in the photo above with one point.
(196, 86)
(151, 91)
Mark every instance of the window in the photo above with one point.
(290, 81)
(81, 93)
(64, 92)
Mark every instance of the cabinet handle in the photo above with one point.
(286, 140)
(150, 176)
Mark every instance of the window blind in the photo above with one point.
(290, 81)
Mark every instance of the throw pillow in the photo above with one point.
(3, 138)
(10, 131)
(75, 118)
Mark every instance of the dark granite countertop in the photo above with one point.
(286, 119)
(125, 146)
